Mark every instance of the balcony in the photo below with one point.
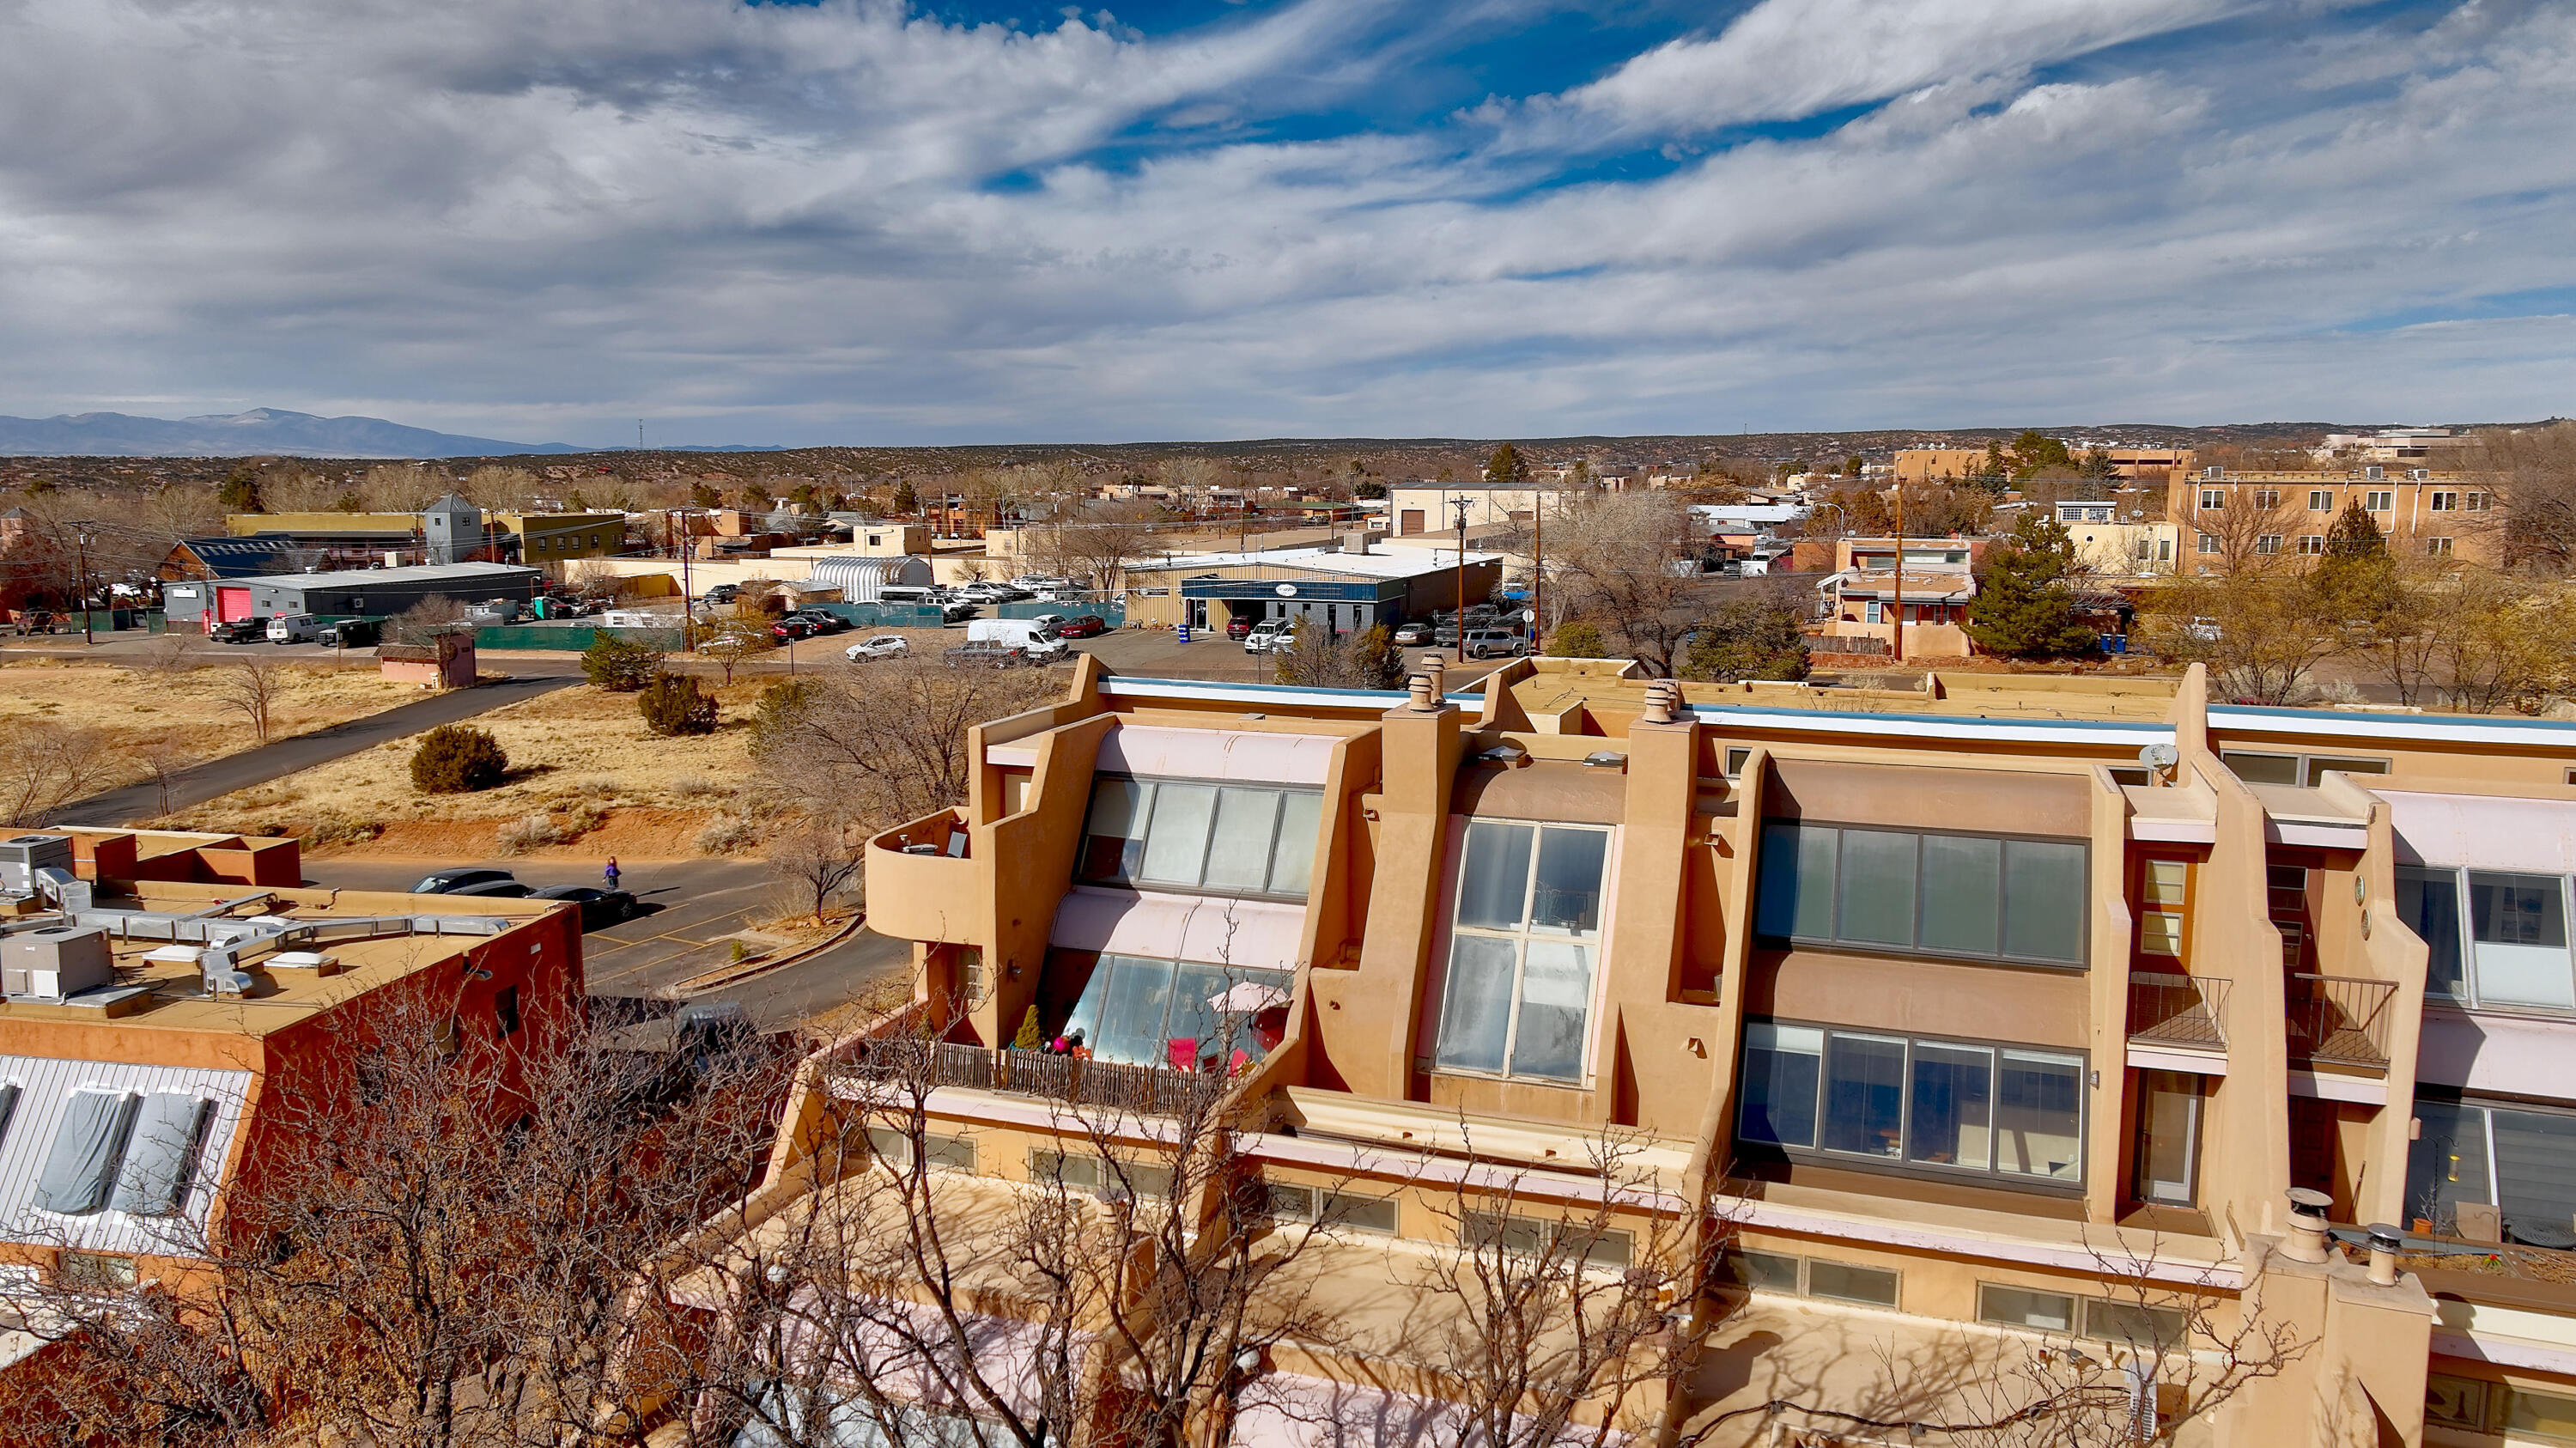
(2180, 1012)
(922, 883)
(1069, 1080)
(2340, 1020)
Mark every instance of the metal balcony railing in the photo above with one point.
(1075, 1081)
(2188, 1011)
(2340, 1019)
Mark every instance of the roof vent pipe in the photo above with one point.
(1659, 702)
(1435, 667)
(2385, 1244)
(2307, 1239)
(1425, 699)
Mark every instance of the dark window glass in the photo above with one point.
(1568, 892)
(1761, 1271)
(2039, 1115)
(1864, 1094)
(1949, 1122)
(2447, 1163)
(1849, 1282)
(1876, 888)
(1962, 882)
(2044, 900)
(2429, 902)
(2535, 1169)
(1493, 881)
(2517, 910)
(1782, 1065)
(1797, 886)
(2261, 768)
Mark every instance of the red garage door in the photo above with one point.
(231, 603)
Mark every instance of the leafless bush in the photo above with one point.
(696, 786)
(727, 834)
(530, 832)
(817, 865)
(45, 765)
(253, 689)
(889, 746)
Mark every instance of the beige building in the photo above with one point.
(2010, 1026)
(2423, 514)
(2112, 547)
(1938, 464)
(1430, 508)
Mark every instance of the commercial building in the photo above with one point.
(1420, 507)
(1939, 464)
(2228, 516)
(2011, 1023)
(450, 530)
(359, 592)
(174, 1004)
(1345, 589)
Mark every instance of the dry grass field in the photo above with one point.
(183, 709)
(586, 778)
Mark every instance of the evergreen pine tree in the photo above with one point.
(2025, 608)
(1505, 466)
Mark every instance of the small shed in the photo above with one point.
(445, 664)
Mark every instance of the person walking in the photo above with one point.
(611, 872)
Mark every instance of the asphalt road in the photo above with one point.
(222, 776)
(694, 908)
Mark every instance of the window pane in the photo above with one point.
(2535, 1168)
(1292, 860)
(1358, 1214)
(2025, 1307)
(2044, 899)
(1476, 1005)
(88, 1140)
(2447, 1164)
(2168, 1166)
(2318, 766)
(1131, 1011)
(2543, 1415)
(1962, 894)
(2520, 928)
(161, 1155)
(2160, 933)
(1238, 856)
(1177, 842)
(1781, 1068)
(1797, 892)
(2039, 1115)
(1949, 1121)
(1846, 1282)
(1114, 841)
(1568, 893)
(1760, 1271)
(1493, 881)
(2429, 902)
(1864, 1093)
(1876, 889)
(2164, 883)
(1191, 1018)
(1556, 997)
(2133, 1323)
(2261, 768)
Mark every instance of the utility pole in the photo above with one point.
(1461, 505)
(688, 601)
(1538, 564)
(1899, 628)
(80, 578)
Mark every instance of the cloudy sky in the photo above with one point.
(954, 221)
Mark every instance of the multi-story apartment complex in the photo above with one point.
(2017, 1041)
(2227, 516)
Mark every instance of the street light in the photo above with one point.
(1461, 505)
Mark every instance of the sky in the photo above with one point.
(877, 223)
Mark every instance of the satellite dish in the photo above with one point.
(2159, 756)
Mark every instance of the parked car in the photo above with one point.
(1493, 643)
(882, 646)
(793, 627)
(354, 633)
(1040, 582)
(1269, 634)
(1413, 634)
(294, 628)
(598, 907)
(984, 654)
(723, 593)
(239, 631)
(1238, 626)
(1082, 626)
(493, 890)
(823, 620)
(448, 882)
(989, 592)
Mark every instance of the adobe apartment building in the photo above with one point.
(2423, 514)
(164, 996)
(2011, 1017)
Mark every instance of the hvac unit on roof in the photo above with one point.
(23, 855)
(55, 962)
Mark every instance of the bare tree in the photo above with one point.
(164, 758)
(888, 744)
(46, 765)
(735, 641)
(1628, 560)
(2259, 631)
(1094, 542)
(253, 690)
(2531, 476)
(819, 863)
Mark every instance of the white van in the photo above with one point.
(911, 593)
(1028, 635)
(294, 628)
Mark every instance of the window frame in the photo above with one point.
(2311, 544)
(1903, 1162)
(2378, 500)
(2213, 500)
(2080, 961)
(2321, 500)
(2074, 1309)
(1521, 938)
(2268, 543)
(2304, 767)
(2465, 944)
(940, 1150)
(1207, 841)
(2437, 547)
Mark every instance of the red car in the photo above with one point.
(1238, 626)
(1081, 626)
(792, 628)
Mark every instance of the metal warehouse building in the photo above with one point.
(861, 579)
(371, 592)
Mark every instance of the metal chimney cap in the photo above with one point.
(2385, 1238)
(2309, 1202)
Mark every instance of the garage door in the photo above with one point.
(231, 603)
(1409, 521)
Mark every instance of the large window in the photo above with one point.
(2495, 939)
(1932, 894)
(1175, 834)
(2307, 770)
(1518, 1000)
(2518, 1160)
(1943, 1107)
(1178, 1013)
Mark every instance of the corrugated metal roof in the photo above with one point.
(418, 573)
(44, 1085)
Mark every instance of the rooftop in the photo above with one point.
(1409, 564)
(1553, 688)
(421, 573)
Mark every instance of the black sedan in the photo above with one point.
(598, 907)
(448, 882)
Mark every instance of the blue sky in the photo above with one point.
(865, 222)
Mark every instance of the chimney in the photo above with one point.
(1425, 697)
(2385, 1243)
(2307, 1239)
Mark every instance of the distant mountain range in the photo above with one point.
(260, 431)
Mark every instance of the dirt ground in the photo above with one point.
(138, 707)
(586, 779)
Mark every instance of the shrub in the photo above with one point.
(674, 704)
(522, 835)
(458, 759)
(727, 833)
(1576, 639)
(619, 666)
(698, 786)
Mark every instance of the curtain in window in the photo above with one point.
(1476, 1004)
(1782, 1067)
(161, 1154)
(2039, 1112)
(1950, 1119)
(88, 1140)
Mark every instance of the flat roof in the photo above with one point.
(417, 573)
(1321, 560)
